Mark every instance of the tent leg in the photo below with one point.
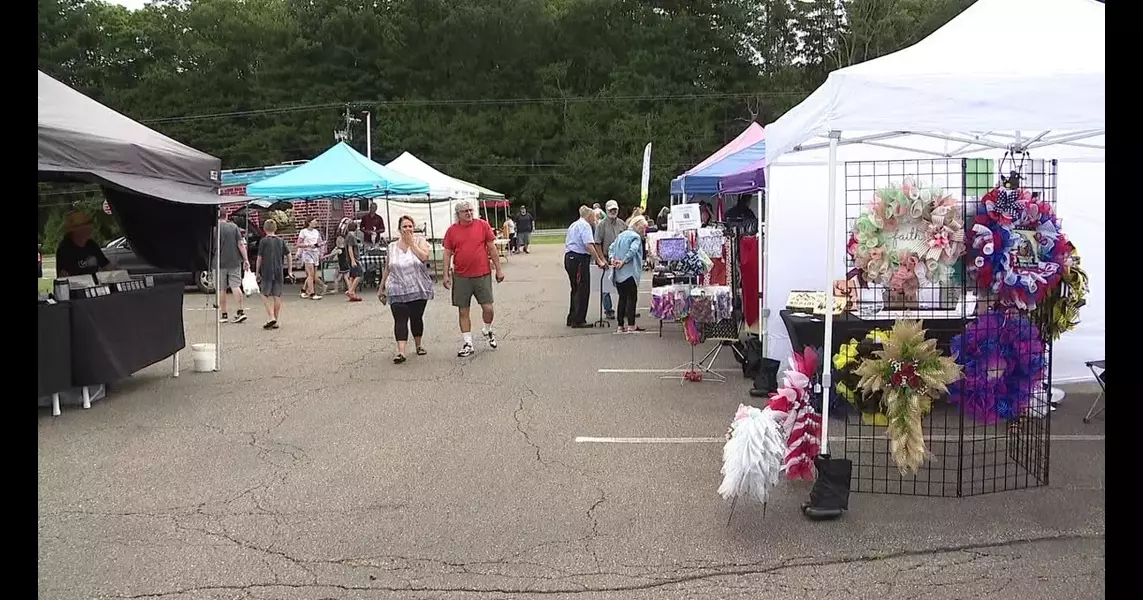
(831, 244)
(763, 269)
(175, 364)
(217, 293)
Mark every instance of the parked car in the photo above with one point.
(121, 256)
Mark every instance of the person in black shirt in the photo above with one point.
(741, 211)
(525, 225)
(77, 253)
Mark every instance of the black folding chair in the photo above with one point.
(1099, 369)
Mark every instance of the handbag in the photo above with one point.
(250, 283)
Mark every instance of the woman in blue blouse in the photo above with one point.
(627, 259)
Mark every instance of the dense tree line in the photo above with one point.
(549, 101)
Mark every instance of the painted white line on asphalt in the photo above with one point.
(628, 371)
(832, 439)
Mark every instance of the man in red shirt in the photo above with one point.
(470, 251)
(372, 225)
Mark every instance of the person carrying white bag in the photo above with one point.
(232, 261)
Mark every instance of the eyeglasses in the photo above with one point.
(467, 210)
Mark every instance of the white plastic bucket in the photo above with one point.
(203, 357)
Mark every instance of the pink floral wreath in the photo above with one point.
(931, 214)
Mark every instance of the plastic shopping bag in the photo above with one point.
(250, 283)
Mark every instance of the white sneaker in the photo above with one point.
(465, 351)
(491, 337)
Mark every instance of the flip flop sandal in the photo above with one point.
(422, 352)
(400, 358)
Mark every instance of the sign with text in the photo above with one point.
(686, 217)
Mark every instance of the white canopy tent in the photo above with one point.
(444, 190)
(1021, 75)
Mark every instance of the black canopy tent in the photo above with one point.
(163, 194)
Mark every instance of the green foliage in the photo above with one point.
(548, 101)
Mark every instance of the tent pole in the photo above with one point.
(388, 223)
(763, 268)
(831, 243)
(218, 291)
(431, 233)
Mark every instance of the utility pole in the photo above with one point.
(368, 135)
(346, 135)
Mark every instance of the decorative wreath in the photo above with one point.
(910, 372)
(1004, 358)
(907, 235)
(1018, 251)
(1059, 312)
(845, 362)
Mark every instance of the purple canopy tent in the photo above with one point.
(747, 181)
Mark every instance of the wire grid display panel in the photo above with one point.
(966, 455)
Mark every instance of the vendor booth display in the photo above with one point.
(164, 195)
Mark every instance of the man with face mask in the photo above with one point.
(372, 225)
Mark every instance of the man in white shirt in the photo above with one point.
(580, 250)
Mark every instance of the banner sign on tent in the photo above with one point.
(645, 190)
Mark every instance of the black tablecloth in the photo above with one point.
(114, 336)
(810, 330)
(54, 348)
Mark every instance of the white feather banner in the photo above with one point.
(752, 458)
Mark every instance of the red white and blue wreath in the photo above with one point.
(1016, 248)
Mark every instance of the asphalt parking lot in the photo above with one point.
(311, 467)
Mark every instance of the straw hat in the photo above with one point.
(76, 220)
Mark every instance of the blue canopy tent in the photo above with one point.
(739, 155)
(340, 172)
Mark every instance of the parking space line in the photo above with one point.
(630, 371)
(832, 439)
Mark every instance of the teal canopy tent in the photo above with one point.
(340, 172)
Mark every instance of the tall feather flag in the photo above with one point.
(646, 188)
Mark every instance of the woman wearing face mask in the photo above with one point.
(77, 253)
(407, 286)
(309, 250)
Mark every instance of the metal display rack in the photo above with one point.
(966, 456)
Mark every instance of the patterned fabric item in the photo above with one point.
(691, 264)
(711, 241)
(702, 309)
(672, 248)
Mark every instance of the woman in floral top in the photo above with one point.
(407, 286)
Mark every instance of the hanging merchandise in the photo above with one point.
(910, 372)
(1058, 313)
(908, 236)
(753, 455)
(848, 358)
(669, 302)
(672, 248)
(691, 264)
(1018, 252)
(1004, 359)
(711, 240)
(748, 261)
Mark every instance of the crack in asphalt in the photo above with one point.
(593, 521)
(976, 552)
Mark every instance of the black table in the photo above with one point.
(805, 330)
(116, 335)
(810, 330)
(53, 348)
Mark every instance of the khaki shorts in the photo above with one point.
(464, 288)
(230, 278)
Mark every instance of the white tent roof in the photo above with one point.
(1002, 69)
(440, 185)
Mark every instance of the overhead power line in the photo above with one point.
(470, 102)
